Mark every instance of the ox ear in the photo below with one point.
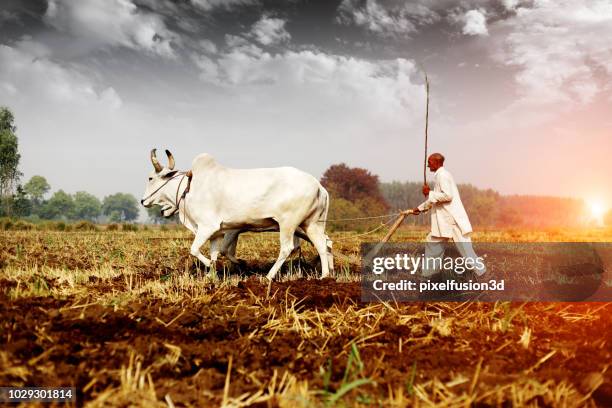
(170, 174)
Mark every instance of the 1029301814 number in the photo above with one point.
(39, 394)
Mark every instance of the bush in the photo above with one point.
(6, 224)
(46, 226)
(62, 226)
(85, 226)
(22, 226)
(340, 208)
(129, 227)
(112, 227)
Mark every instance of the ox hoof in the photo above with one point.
(238, 261)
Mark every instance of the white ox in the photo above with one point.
(223, 202)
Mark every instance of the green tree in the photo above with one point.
(402, 195)
(36, 188)
(86, 206)
(9, 160)
(481, 205)
(115, 216)
(405, 195)
(60, 205)
(21, 205)
(120, 207)
(340, 208)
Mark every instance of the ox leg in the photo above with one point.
(316, 233)
(330, 254)
(286, 246)
(216, 247)
(202, 235)
(229, 245)
(296, 245)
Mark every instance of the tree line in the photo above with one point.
(355, 193)
(28, 200)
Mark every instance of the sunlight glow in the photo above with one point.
(597, 211)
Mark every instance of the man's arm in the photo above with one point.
(443, 196)
(425, 206)
(446, 193)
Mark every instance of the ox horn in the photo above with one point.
(170, 160)
(158, 167)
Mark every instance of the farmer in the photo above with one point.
(448, 220)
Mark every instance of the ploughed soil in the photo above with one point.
(48, 341)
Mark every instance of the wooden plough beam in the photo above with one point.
(389, 234)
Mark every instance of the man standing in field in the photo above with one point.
(448, 219)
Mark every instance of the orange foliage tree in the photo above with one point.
(354, 193)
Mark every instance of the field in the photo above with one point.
(129, 319)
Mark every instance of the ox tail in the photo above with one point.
(325, 196)
(323, 220)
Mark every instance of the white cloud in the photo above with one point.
(27, 73)
(475, 23)
(208, 46)
(113, 23)
(559, 47)
(207, 66)
(270, 31)
(227, 4)
(233, 41)
(380, 88)
(510, 4)
(400, 18)
(561, 54)
(374, 17)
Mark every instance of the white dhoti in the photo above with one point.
(449, 220)
(434, 249)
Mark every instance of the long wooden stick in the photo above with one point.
(426, 128)
(403, 215)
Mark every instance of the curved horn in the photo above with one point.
(158, 167)
(170, 160)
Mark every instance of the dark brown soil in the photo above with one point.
(64, 345)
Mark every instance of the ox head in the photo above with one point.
(161, 188)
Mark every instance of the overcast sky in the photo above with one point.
(521, 96)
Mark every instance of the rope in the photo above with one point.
(382, 225)
(378, 228)
(362, 218)
(183, 197)
(179, 173)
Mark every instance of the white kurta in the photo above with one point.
(447, 210)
